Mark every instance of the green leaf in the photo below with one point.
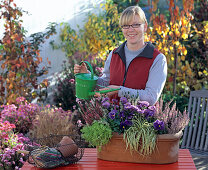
(1, 47)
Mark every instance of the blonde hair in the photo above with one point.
(128, 14)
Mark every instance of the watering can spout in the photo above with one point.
(103, 91)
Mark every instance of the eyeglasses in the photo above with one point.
(133, 26)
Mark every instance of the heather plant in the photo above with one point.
(90, 109)
(10, 144)
(173, 119)
(22, 114)
(51, 121)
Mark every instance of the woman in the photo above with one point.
(137, 67)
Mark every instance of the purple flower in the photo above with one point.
(123, 100)
(159, 125)
(125, 123)
(112, 114)
(142, 104)
(140, 111)
(122, 114)
(150, 112)
(104, 99)
(115, 101)
(106, 104)
(131, 108)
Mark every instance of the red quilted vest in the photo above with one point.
(137, 73)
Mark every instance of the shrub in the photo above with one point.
(64, 93)
(19, 57)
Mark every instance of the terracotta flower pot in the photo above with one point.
(67, 147)
(166, 150)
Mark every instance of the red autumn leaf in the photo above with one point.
(49, 62)
(18, 65)
(18, 38)
(170, 79)
(8, 41)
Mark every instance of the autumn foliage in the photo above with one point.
(171, 33)
(19, 57)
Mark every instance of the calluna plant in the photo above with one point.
(174, 120)
(90, 110)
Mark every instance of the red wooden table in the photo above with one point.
(90, 162)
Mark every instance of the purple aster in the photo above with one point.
(112, 114)
(159, 125)
(123, 100)
(106, 104)
(142, 104)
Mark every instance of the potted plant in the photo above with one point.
(132, 130)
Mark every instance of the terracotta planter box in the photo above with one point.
(166, 150)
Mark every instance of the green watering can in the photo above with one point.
(85, 84)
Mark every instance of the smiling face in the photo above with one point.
(135, 36)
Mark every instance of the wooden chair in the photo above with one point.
(195, 136)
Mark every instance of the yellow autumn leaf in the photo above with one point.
(189, 72)
(183, 68)
(177, 33)
(183, 58)
(111, 48)
(200, 73)
(177, 43)
(165, 48)
(205, 72)
(184, 36)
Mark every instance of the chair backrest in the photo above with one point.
(195, 135)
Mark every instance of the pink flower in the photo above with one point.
(79, 123)
(72, 81)
(20, 99)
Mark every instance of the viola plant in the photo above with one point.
(135, 119)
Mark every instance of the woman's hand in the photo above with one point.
(109, 94)
(80, 68)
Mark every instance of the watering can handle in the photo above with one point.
(90, 66)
